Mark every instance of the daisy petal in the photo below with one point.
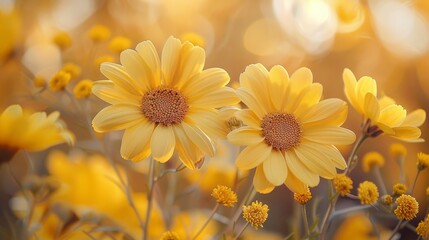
(294, 184)
(349, 87)
(136, 141)
(249, 118)
(330, 111)
(415, 118)
(117, 117)
(407, 133)
(279, 79)
(275, 168)
(329, 135)
(137, 68)
(108, 92)
(371, 107)
(260, 182)
(209, 121)
(300, 79)
(162, 143)
(251, 102)
(120, 77)
(252, 156)
(300, 170)
(199, 138)
(148, 53)
(392, 115)
(205, 82)
(170, 59)
(312, 158)
(255, 80)
(218, 98)
(189, 154)
(192, 60)
(245, 136)
(364, 86)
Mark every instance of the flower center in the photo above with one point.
(281, 130)
(164, 105)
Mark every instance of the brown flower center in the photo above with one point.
(281, 130)
(165, 106)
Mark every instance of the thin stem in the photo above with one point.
(415, 181)
(396, 229)
(249, 195)
(241, 231)
(350, 210)
(151, 181)
(304, 216)
(207, 222)
(358, 143)
(380, 180)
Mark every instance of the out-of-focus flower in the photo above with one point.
(398, 149)
(423, 228)
(225, 196)
(290, 134)
(357, 227)
(73, 69)
(83, 89)
(342, 184)
(85, 183)
(170, 235)
(9, 33)
(119, 44)
(39, 82)
(256, 214)
(99, 33)
(422, 160)
(164, 105)
(20, 129)
(102, 59)
(367, 192)
(302, 198)
(399, 189)
(193, 38)
(62, 40)
(371, 160)
(427, 192)
(384, 114)
(407, 208)
(387, 200)
(184, 225)
(59, 81)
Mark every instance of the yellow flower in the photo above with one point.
(39, 82)
(423, 160)
(164, 105)
(407, 208)
(119, 44)
(59, 81)
(397, 149)
(427, 192)
(99, 33)
(355, 226)
(302, 198)
(193, 38)
(10, 33)
(367, 192)
(399, 189)
(184, 224)
(256, 214)
(290, 133)
(30, 131)
(372, 159)
(83, 89)
(423, 228)
(225, 196)
(71, 68)
(387, 200)
(384, 115)
(62, 40)
(342, 184)
(170, 235)
(104, 58)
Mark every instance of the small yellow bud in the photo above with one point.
(398, 149)
(102, 59)
(399, 189)
(99, 33)
(423, 160)
(423, 228)
(302, 198)
(372, 159)
(83, 89)
(119, 44)
(71, 68)
(62, 40)
(367, 192)
(342, 184)
(170, 235)
(407, 208)
(39, 82)
(59, 81)
(224, 195)
(256, 214)
(387, 200)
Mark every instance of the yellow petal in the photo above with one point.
(206, 82)
(147, 51)
(329, 135)
(392, 115)
(330, 111)
(306, 99)
(116, 117)
(294, 184)
(415, 119)
(12, 111)
(251, 102)
(192, 60)
(371, 107)
(249, 118)
(245, 136)
(162, 143)
(275, 168)
(365, 85)
(332, 153)
(108, 92)
(170, 60)
(199, 138)
(120, 77)
(260, 182)
(252, 156)
(312, 158)
(407, 133)
(300, 79)
(279, 80)
(385, 101)
(136, 141)
(138, 70)
(350, 88)
(298, 169)
(209, 121)
(221, 97)
(189, 154)
(255, 80)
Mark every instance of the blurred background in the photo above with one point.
(385, 39)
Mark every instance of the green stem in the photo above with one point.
(380, 180)
(248, 197)
(304, 216)
(241, 231)
(207, 222)
(151, 178)
(415, 181)
(396, 229)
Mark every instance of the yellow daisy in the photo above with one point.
(30, 131)
(382, 115)
(290, 133)
(164, 105)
